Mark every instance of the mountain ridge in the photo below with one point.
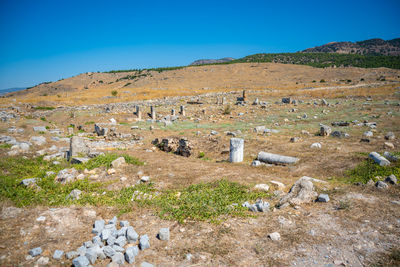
(375, 46)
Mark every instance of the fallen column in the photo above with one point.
(275, 158)
(236, 150)
(379, 159)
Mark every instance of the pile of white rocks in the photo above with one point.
(120, 245)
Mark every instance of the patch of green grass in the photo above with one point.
(5, 146)
(209, 202)
(202, 156)
(47, 192)
(89, 122)
(42, 118)
(368, 169)
(105, 160)
(44, 108)
(212, 202)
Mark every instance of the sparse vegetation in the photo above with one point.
(368, 169)
(322, 60)
(5, 146)
(344, 205)
(105, 160)
(227, 110)
(114, 92)
(47, 191)
(388, 259)
(204, 202)
(210, 202)
(44, 108)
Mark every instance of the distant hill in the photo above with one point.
(367, 47)
(211, 61)
(9, 90)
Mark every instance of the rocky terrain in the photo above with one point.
(301, 174)
(372, 46)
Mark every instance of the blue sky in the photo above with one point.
(46, 40)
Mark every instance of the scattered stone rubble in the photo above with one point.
(120, 245)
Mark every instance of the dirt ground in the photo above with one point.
(312, 234)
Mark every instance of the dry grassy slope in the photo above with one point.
(90, 88)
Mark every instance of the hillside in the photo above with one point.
(253, 72)
(92, 88)
(367, 47)
(323, 60)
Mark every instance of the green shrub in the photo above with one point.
(227, 110)
(322, 81)
(114, 93)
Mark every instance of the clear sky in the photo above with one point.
(46, 40)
